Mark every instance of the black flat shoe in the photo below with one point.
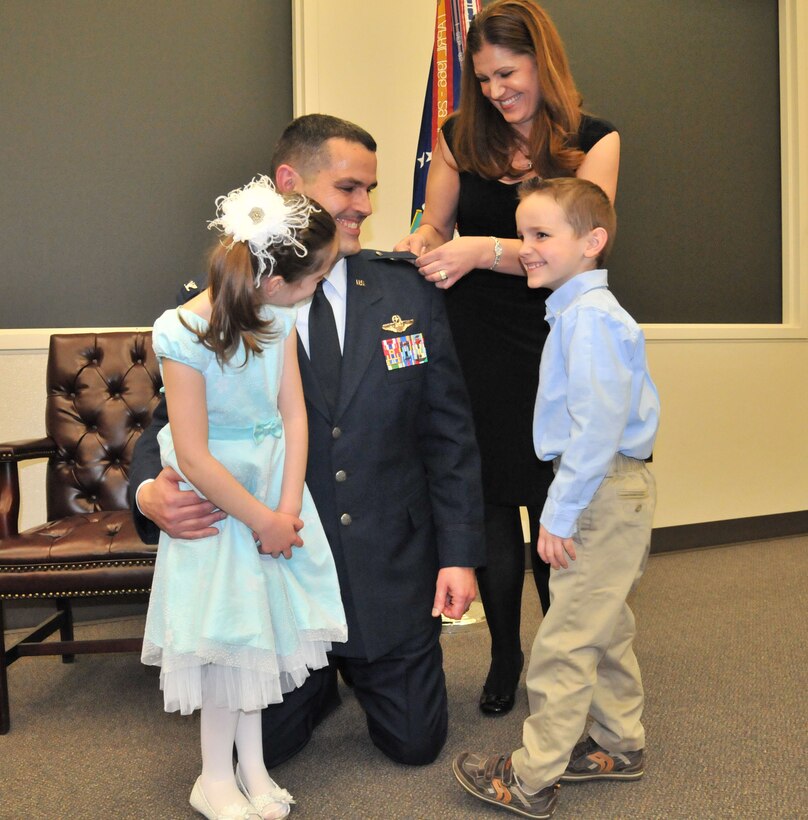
(496, 704)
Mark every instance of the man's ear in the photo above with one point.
(287, 179)
(596, 242)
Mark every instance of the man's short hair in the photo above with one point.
(584, 203)
(302, 145)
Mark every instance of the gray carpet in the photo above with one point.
(723, 651)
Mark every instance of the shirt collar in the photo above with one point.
(559, 300)
(337, 279)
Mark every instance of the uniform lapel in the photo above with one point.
(361, 329)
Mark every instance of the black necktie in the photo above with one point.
(324, 351)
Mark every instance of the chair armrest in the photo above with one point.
(12, 452)
(27, 448)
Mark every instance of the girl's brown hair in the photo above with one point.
(485, 143)
(235, 317)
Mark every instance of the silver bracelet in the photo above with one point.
(497, 253)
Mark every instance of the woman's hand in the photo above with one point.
(453, 260)
(412, 242)
(278, 533)
(422, 240)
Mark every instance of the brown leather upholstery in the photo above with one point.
(101, 391)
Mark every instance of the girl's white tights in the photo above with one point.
(219, 730)
(250, 748)
(217, 735)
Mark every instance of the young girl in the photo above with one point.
(232, 623)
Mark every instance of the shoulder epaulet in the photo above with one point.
(187, 292)
(390, 256)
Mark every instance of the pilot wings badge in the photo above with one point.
(397, 324)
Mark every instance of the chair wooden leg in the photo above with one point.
(5, 722)
(66, 624)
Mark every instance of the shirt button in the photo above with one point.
(345, 520)
(336, 432)
(341, 475)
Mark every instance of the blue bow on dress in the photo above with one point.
(274, 428)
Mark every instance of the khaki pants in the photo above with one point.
(582, 661)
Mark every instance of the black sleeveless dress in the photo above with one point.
(499, 330)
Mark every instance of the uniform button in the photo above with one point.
(345, 520)
(341, 475)
(336, 432)
(379, 253)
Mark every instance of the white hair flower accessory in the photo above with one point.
(258, 215)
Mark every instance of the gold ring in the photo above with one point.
(443, 275)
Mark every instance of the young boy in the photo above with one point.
(596, 418)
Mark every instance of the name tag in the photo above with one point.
(404, 351)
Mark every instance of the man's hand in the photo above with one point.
(454, 592)
(180, 513)
(553, 549)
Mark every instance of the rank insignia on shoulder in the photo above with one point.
(404, 351)
(360, 283)
(190, 285)
(397, 324)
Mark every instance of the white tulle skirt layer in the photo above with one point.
(238, 678)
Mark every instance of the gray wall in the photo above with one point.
(122, 121)
(693, 86)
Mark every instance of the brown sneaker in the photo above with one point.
(492, 779)
(589, 761)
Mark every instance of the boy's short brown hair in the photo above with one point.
(584, 203)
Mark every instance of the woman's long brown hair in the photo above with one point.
(484, 142)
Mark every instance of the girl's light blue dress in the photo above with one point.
(224, 621)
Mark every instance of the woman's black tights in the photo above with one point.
(500, 583)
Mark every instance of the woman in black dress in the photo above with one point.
(520, 115)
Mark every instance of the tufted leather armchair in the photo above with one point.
(101, 391)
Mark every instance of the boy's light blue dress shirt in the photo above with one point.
(595, 396)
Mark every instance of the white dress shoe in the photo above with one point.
(233, 812)
(278, 797)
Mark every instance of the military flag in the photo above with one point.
(452, 18)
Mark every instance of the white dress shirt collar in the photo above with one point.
(335, 288)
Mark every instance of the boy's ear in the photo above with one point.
(596, 242)
(287, 179)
